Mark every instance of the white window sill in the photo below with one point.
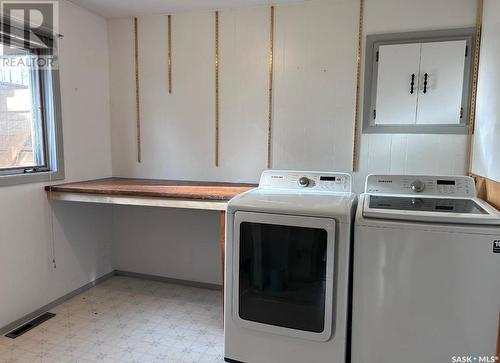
(17, 179)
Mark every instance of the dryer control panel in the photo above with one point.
(453, 186)
(306, 180)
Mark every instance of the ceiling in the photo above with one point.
(125, 8)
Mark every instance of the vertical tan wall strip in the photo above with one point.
(217, 114)
(137, 90)
(475, 70)
(169, 53)
(271, 70)
(357, 115)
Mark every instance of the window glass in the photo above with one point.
(21, 128)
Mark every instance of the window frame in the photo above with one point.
(51, 128)
(374, 41)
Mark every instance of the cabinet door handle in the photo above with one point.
(412, 83)
(426, 76)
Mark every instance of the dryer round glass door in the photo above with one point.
(284, 274)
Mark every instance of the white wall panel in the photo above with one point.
(486, 156)
(313, 96)
(168, 242)
(179, 138)
(177, 129)
(85, 100)
(244, 37)
(398, 158)
(435, 154)
(314, 93)
(122, 95)
(384, 16)
(411, 154)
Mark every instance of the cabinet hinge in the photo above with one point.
(461, 112)
(374, 114)
(376, 56)
(466, 50)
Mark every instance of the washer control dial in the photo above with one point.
(304, 182)
(417, 186)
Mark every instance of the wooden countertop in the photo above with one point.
(172, 189)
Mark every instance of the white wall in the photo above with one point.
(314, 94)
(81, 234)
(486, 156)
(312, 112)
(315, 49)
(176, 243)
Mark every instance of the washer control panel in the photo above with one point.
(453, 186)
(306, 180)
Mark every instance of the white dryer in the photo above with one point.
(426, 272)
(287, 269)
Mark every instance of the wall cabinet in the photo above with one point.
(418, 85)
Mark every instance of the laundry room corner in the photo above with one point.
(46, 251)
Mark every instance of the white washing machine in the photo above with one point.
(426, 272)
(287, 269)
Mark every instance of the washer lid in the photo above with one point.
(430, 209)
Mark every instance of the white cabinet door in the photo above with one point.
(395, 104)
(440, 98)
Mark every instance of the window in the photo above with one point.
(30, 119)
(418, 82)
(22, 142)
